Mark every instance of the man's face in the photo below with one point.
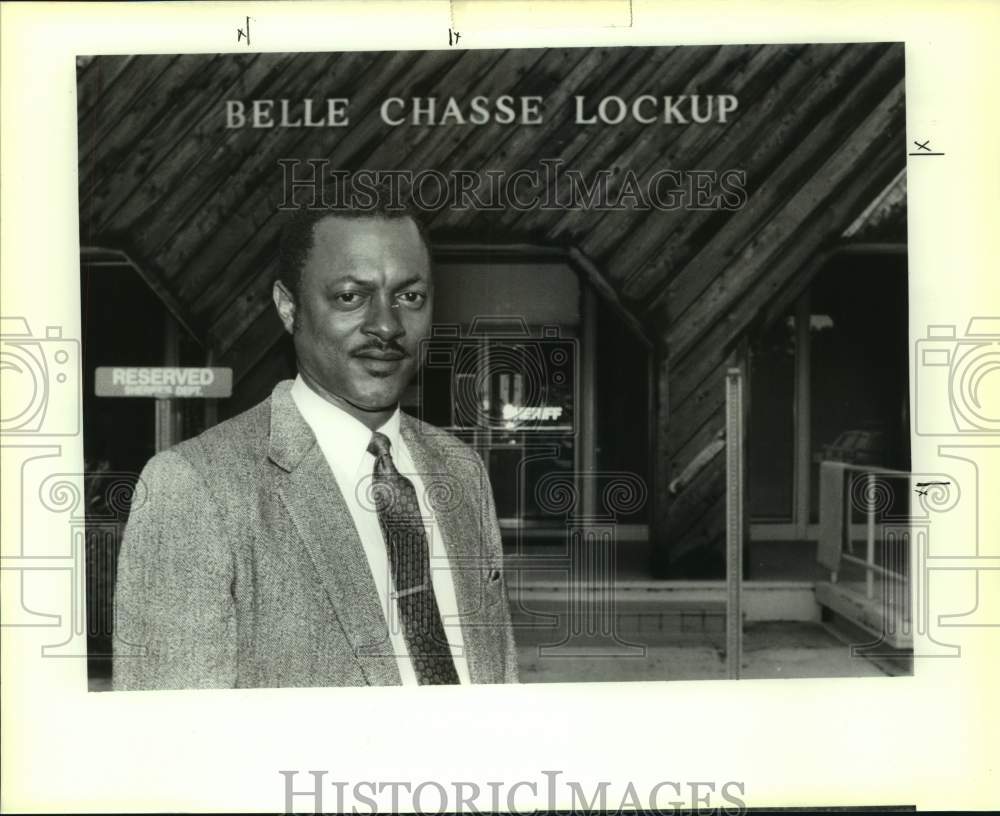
(364, 305)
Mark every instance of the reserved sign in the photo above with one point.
(163, 382)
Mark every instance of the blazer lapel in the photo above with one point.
(459, 529)
(307, 488)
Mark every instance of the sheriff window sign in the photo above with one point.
(163, 382)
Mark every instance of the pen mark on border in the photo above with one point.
(923, 149)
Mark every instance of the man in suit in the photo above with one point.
(322, 538)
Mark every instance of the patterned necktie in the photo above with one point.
(403, 528)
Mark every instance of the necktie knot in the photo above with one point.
(379, 446)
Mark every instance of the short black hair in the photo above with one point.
(297, 232)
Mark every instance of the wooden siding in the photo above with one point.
(819, 133)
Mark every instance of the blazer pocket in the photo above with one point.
(493, 587)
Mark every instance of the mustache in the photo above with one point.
(375, 345)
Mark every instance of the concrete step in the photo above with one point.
(656, 606)
(624, 616)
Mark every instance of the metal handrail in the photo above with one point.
(844, 517)
(895, 576)
(868, 468)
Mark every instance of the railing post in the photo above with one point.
(734, 521)
(848, 514)
(830, 541)
(870, 539)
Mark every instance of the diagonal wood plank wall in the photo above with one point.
(818, 132)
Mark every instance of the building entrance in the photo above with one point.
(828, 382)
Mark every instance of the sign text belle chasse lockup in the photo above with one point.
(394, 111)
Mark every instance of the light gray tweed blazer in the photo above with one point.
(241, 566)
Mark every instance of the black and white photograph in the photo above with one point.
(499, 406)
(524, 365)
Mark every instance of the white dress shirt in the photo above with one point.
(344, 443)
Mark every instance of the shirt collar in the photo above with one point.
(333, 422)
